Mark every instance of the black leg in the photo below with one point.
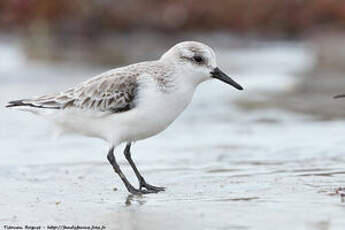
(142, 182)
(130, 188)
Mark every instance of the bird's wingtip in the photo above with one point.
(8, 105)
(14, 103)
(339, 96)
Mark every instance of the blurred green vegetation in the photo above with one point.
(85, 17)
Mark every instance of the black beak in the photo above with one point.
(217, 73)
(339, 96)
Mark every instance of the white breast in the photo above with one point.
(154, 112)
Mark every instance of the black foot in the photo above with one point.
(151, 188)
(140, 191)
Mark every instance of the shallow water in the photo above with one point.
(224, 167)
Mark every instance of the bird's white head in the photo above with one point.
(198, 61)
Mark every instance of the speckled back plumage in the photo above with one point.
(112, 91)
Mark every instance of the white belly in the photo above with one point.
(154, 112)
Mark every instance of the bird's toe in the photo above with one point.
(153, 188)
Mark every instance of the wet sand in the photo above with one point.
(224, 166)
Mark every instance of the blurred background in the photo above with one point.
(104, 33)
(277, 148)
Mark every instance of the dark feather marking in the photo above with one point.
(22, 103)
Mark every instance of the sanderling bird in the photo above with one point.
(131, 103)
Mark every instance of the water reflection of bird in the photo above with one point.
(131, 103)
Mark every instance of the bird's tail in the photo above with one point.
(35, 105)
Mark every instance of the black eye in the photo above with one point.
(198, 59)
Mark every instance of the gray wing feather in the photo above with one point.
(112, 91)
